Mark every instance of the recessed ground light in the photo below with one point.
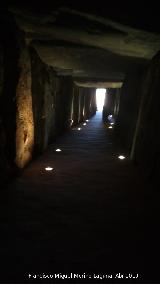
(112, 123)
(58, 150)
(87, 120)
(121, 157)
(84, 123)
(78, 128)
(49, 169)
(110, 127)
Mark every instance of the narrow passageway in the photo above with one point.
(85, 215)
(76, 195)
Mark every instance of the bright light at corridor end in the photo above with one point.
(58, 150)
(100, 96)
(121, 157)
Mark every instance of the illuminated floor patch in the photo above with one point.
(49, 169)
(121, 157)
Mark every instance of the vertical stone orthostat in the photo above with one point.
(24, 116)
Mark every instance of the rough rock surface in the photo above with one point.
(145, 150)
(130, 97)
(111, 103)
(86, 44)
(67, 46)
(24, 115)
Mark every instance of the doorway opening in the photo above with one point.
(100, 97)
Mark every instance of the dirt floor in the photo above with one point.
(85, 216)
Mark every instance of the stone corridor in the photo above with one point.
(84, 216)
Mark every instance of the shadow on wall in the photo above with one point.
(130, 97)
(111, 105)
(9, 73)
(84, 104)
(146, 143)
(37, 104)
